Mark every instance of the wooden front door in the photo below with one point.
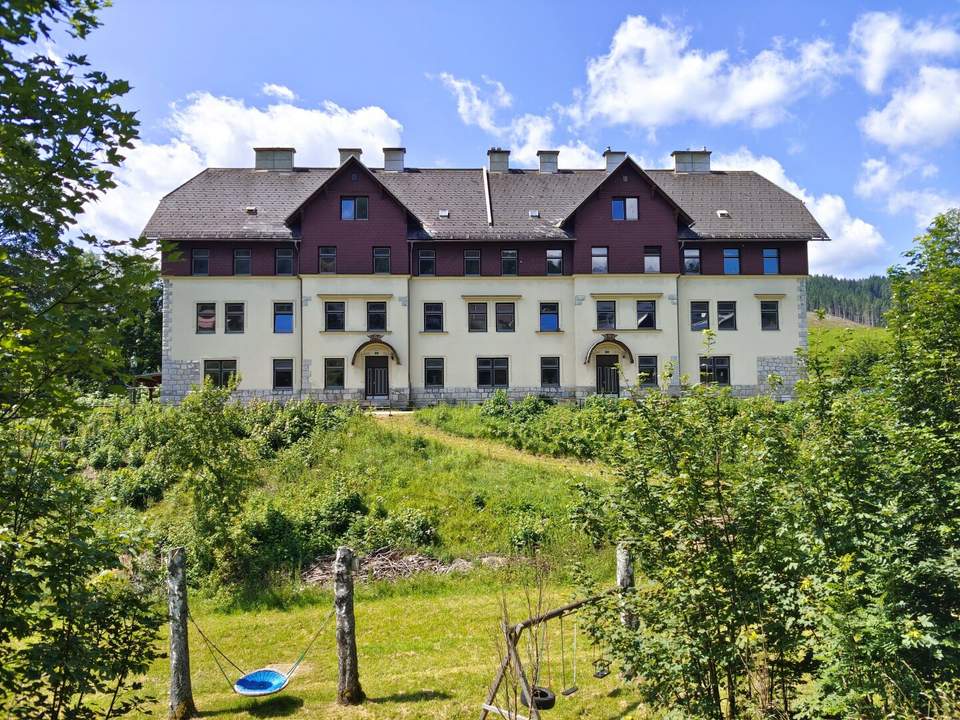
(608, 375)
(377, 385)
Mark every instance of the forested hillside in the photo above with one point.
(864, 300)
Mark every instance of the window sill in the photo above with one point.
(358, 332)
(549, 332)
(627, 330)
(434, 332)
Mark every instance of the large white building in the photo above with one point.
(413, 285)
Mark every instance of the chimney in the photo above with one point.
(613, 158)
(549, 161)
(499, 160)
(691, 161)
(393, 159)
(273, 158)
(347, 153)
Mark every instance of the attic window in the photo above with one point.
(444, 213)
(533, 213)
(723, 214)
(250, 209)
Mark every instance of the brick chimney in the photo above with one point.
(691, 161)
(347, 153)
(613, 158)
(393, 159)
(273, 158)
(499, 160)
(549, 161)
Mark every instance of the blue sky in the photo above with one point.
(854, 107)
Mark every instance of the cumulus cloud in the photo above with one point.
(856, 247)
(474, 105)
(211, 131)
(278, 91)
(925, 112)
(881, 179)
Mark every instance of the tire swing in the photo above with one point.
(543, 697)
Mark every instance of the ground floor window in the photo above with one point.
(647, 369)
(715, 370)
(283, 374)
(550, 372)
(234, 316)
(219, 371)
(493, 372)
(433, 372)
(333, 374)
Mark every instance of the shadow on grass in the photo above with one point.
(280, 706)
(413, 696)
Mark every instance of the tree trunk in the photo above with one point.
(349, 691)
(625, 581)
(181, 691)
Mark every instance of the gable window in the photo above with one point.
(726, 315)
(427, 262)
(699, 315)
(241, 261)
(651, 258)
(554, 262)
(647, 314)
(283, 261)
(508, 262)
(598, 260)
(647, 369)
(353, 208)
(624, 208)
(219, 371)
(381, 260)
(506, 317)
(550, 372)
(376, 316)
(334, 315)
(493, 372)
(769, 315)
(206, 318)
(328, 259)
(691, 261)
(471, 262)
(283, 374)
(433, 317)
(771, 261)
(731, 261)
(433, 372)
(549, 317)
(477, 317)
(715, 369)
(234, 317)
(606, 314)
(333, 374)
(283, 317)
(200, 262)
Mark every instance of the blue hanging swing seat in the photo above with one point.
(265, 681)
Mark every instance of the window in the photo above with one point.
(492, 372)
(241, 261)
(376, 316)
(381, 260)
(506, 317)
(647, 369)
(691, 261)
(550, 372)
(624, 208)
(283, 317)
(433, 317)
(471, 262)
(427, 262)
(769, 315)
(234, 317)
(508, 262)
(334, 316)
(731, 261)
(333, 373)
(715, 370)
(283, 261)
(328, 259)
(554, 262)
(606, 314)
(283, 374)
(206, 318)
(771, 261)
(598, 260)
(726, 315)
(353, 208)
(219, 371)
(549, 317)
(651, 259)
(647, 314)
(200, 262)
(477, 317)
(433, 372)
(699, 315)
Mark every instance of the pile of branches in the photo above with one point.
(382, 564)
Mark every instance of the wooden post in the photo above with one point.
(181, 691)
(349, 691)
(625, 581)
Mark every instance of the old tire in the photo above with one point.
(543, 698)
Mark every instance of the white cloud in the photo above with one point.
(211, 131)
(924, 204)
(882, 180)
(651, 77)
(473, 105)
(856, 247)
(880, 42)
(925, 112)
(877, 177)
(278, 91)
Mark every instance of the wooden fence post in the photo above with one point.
(349, 691)
(625, 581)
(181, 691)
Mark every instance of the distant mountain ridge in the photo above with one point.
(864, 300)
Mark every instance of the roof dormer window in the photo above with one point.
(533, 213)
(723, 214)
(444, 214)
